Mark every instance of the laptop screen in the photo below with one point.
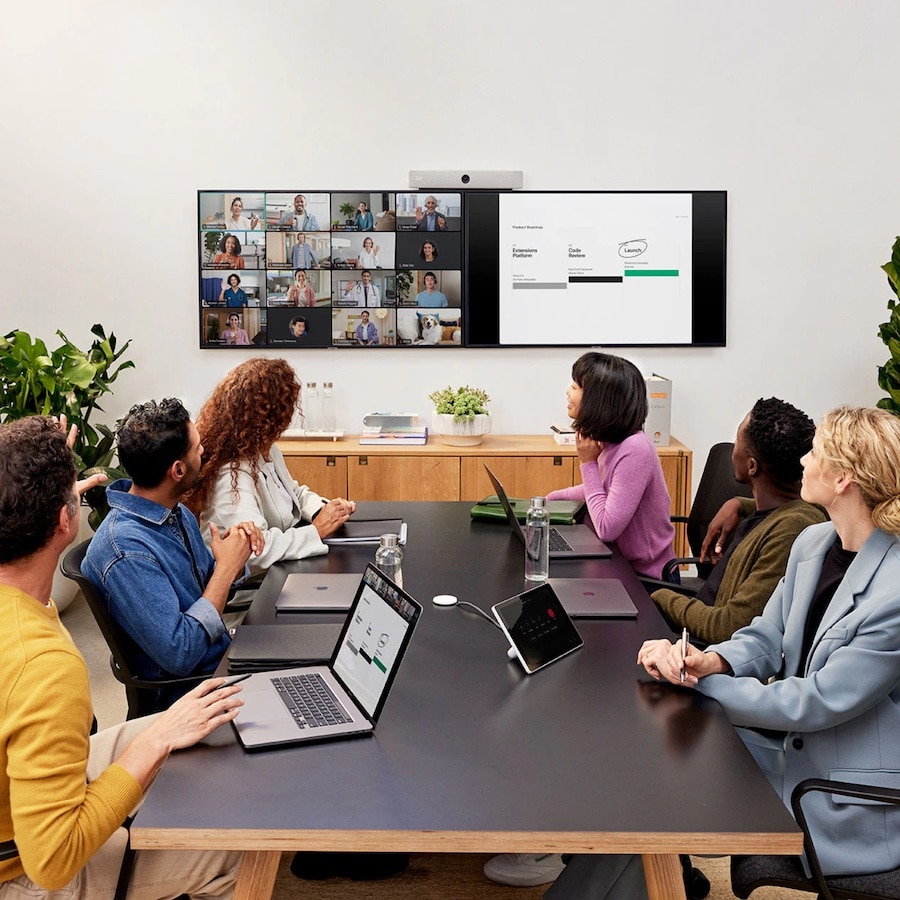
(367, 658)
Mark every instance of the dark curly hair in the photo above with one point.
(151, 437)
(37, 478)
(777, 435)
(245, 414)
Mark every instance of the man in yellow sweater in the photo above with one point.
(63, 794)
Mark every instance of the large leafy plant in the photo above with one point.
(70, 381)
(889, 332)
(462, 403)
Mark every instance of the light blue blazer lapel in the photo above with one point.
(854, 582)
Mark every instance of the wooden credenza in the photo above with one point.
(527, 465)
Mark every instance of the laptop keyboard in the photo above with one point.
(557, 541)
(310, 701)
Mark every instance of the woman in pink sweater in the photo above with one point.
(622, 480)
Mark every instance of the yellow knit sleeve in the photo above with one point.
(59, 821)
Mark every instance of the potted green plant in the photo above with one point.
(461, 417)
(889, 332)
(67, 381)
(347, 211)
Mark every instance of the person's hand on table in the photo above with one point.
(654, 657)
(664, 659)
(333, 515)
(198, 713)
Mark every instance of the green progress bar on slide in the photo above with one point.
(650, 273)
(380, 664)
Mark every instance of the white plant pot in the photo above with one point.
(65, 590)
(460, 433)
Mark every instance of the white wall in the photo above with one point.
(115, 113)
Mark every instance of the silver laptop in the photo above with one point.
(594, 598)
(566, 541)
(303, 592)
(344, 698)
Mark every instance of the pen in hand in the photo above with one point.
(684, 644)
(236, 680)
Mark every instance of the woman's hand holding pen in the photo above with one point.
(679, 662)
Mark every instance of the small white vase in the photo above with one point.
(65, 590)
(460, 433)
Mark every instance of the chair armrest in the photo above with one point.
(654, 584)
(840, 788)
(8, 850)
(678, 519)
(152, 683)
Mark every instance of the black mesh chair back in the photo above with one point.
(142, 694)
(717, 484)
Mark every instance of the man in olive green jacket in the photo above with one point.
(767, 450)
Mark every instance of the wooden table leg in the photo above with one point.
(664, 877)
(256, 876)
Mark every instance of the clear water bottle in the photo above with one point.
(389, 558)
(328, 417)
(311, 408)
(537, 541)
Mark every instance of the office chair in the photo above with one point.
(751, 872)
(717, 484)
(8, 850)
(141, 693)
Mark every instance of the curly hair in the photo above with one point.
(244, 415)
(37, 478)
(778, 435)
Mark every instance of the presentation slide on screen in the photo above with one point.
(580, 269)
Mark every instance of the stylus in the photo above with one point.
(233, 681)
(684, 645)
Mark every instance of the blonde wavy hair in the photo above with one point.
(865, 443)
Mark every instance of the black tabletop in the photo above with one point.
(468, 742)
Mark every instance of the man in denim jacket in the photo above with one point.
(162, 585)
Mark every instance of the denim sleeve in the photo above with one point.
(146, 604)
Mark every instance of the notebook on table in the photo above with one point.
(261, 648)
(566, 541)
(345, 697)
(594, 598)
(562, 512)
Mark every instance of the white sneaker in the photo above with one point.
(524, 869)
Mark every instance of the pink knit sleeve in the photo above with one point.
(628, 473)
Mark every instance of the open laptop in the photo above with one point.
(305, 592)
(566, 541)
(344, 698)
(593, 598)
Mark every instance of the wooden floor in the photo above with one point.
(459, 877)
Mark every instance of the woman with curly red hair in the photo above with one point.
(244, 478)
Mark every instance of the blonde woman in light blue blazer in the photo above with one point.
(834, 697)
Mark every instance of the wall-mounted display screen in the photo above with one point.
(596, 268)
(376, 269)
(358, 269)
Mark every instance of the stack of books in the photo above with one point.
(393, 428)
(562, 434)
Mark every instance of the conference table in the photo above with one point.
(471, 755)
